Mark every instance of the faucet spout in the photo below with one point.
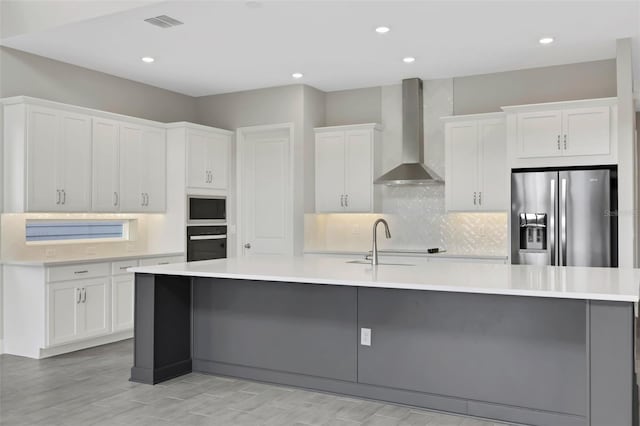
(374, 251)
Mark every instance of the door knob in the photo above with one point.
(247, 246)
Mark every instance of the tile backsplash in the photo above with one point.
(417, 221)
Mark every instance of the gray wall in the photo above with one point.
(488, 92)
(354, 106)
(31, 75)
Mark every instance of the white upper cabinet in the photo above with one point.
(142, 168)
(563, 133)
(345, 168)
(539, 133)
(476, 163)
(72, 159)
(106, 163)
(207, 159)
(58, 161)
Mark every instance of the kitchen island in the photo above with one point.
(527, 344)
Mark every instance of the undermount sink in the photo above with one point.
(368, 262)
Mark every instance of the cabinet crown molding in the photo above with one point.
(581, 103)
(467, 117)
(200, 127)
(374, 126)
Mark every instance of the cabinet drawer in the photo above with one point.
(78, 271)
(152, 261)
(120, 267)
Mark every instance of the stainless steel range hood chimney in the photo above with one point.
(412, 171)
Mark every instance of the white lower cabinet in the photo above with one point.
(122, 290)
(54, 309)
(78, 309)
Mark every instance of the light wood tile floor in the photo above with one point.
(91, 387)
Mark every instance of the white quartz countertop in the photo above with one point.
(97, 259)
(612, 284)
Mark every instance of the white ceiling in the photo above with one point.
(227, 46)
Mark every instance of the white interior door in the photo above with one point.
(266, 191)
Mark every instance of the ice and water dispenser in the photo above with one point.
(533, 231)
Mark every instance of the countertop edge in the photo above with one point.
(53, 262)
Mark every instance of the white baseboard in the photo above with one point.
(85, 344)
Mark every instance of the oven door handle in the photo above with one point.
(207, 237)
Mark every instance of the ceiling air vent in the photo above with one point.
(164, 21)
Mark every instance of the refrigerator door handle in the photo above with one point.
(552, 224)
(563, 222)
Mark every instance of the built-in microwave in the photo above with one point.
(206, 209)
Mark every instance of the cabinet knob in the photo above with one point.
(558, 142)
(474, 199)
(565, 141)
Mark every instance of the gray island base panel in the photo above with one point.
(528, 360)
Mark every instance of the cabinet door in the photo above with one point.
(122, 302)
(587, 131)
(94, 314)
(197, 159)
(43, 192)
(218, 157)
(330, 172)
(74, 165)
(539, 134)
(461, 184)
(63, 302)
(131, 161)
(358, 174)
(492, 166)
(106, 173)
(154, 169)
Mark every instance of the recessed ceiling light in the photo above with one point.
(297, 75)
(546, 40)
(409, 59)
(147, 59)
(383, 30)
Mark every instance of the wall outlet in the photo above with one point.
(50, 252)
(365, 336)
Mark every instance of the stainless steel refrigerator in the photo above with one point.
(564, 217)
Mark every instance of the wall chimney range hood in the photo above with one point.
(413, 170)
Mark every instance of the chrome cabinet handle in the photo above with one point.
(64, 197)
(565, 141)
(85, 271)
(115, 199)
(84, 295)
(206, 176)
(79, 291)
(346, 200)
(210, 176)
(558, 142)
(58, 199)
(342, 201)
(142, 199)
(247, 245)
(147, 199)
(480, 198)
(474, 199)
